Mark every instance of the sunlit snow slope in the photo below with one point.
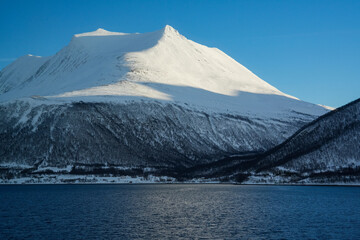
(160, 65)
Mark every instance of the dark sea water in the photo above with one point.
(179, 212)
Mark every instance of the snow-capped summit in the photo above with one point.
(162, 65)
(169, 30)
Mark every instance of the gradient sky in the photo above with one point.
(309, 48)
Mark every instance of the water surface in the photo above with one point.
(179, 212)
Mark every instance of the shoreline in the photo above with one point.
(187, 183)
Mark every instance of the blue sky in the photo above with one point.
(309, 48)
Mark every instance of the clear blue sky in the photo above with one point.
(309, 48)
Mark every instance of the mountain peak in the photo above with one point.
(101, 30)
(170, 31)
(169, 28)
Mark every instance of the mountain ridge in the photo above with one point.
(323, 151)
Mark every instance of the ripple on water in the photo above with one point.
(178, 211)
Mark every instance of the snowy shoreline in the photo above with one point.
(127, 180)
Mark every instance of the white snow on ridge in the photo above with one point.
(99, 32)
(327, 107)
(161, 65)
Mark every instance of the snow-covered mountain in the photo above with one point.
(117, 64)
(161, 65)
(151, 99)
